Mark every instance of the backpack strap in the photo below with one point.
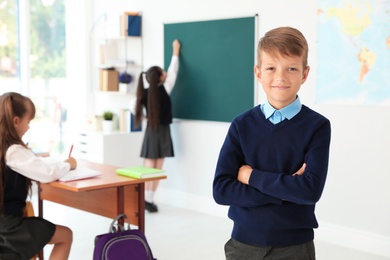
(114, 227)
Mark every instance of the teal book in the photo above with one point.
(141, 172)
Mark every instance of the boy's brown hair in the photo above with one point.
(287, 41)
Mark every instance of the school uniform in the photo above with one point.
(23, 237)
(157, 142)
(276, 209)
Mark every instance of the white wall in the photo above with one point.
(354, 210)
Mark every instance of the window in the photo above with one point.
(33, 62)
(47, 72)
(9, 46)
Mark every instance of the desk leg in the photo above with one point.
(141, 207)
(120, 203)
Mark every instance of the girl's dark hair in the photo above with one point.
(152, 99)
(11, 105)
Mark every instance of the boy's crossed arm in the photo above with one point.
(245, 171)
(302, 187)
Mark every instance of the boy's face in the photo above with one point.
(281, 77)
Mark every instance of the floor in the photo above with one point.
(172, 233)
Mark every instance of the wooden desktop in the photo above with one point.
(107, 195)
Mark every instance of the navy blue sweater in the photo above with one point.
(276, 208)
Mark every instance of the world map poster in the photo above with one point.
(353, 52)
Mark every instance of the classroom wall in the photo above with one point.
(354, 209)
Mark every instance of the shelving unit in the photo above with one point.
(110, 49)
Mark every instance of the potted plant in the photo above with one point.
(108, 121)
(108, 116)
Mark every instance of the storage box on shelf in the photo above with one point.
(108, 79)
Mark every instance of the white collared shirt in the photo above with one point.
(42, 169)
(288, 112)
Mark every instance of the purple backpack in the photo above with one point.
(122, 244)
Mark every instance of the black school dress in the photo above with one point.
(20, 237)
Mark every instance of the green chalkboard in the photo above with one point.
(216, 79)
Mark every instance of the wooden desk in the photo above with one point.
(107, 195)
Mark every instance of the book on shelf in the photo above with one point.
(131, 24)
(141, 172)
(127, 122)
(124, 124)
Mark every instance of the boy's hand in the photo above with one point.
(244, 173)
(301, 170)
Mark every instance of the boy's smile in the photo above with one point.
(281, 77)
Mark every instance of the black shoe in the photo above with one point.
(151, 207)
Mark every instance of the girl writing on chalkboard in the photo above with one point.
(23, 237)
(157, 143)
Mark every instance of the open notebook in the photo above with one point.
(78, 174)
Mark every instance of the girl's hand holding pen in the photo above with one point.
(73, 163)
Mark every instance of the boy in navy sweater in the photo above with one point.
(272, 167)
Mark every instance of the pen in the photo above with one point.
(71, 149)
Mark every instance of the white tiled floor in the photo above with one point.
(173, 234)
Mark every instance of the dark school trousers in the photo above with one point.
(235, 250)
